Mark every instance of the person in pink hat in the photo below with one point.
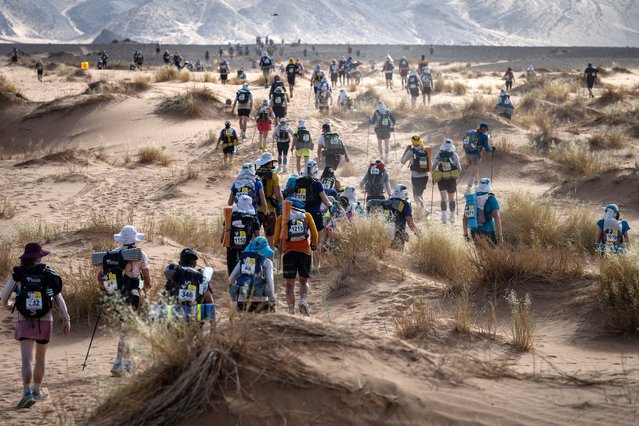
(125, 275)
(36, 287)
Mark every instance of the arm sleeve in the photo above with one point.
(373, 118)
(62, 306)
(270, 282)
(312, 227)
(406, 156)
(392, 117)
(7, 290)
(235, 273)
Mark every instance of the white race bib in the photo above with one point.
(34, 301)
(110, 282)
(187, 294)
(248, 266)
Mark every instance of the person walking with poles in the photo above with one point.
(375, 181)
(418, 156)
(474, 143)
(36, 287)
(481, 214)
(384, 121)
(244, 102)
(446, 171)
(330, 147)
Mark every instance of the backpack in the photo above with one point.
(303, 139)
(187, 285)
(305, 191)
(612, 233)
(263, 114)
(446, 169)
(333, 144)
(291, 69)
(266, 176)
(319, 75)
(229, 140)
(427, 78)
(413, 82)
(328, 182)
(265, 62)
(38, 285)
(242, 225)
(323, 95)
(113, 276)
(251, 281)
(248, 188)
(283, 135)
(297, 227)
(384, 121)
(243, 96)
(375, 180)
(278, 99)
(421, 162)
(471, 141)
(224, 69)
(474, 210)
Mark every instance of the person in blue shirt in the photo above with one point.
(488, 219)
(400, 213)
(612, 232)
(474, 155)
(247, 183)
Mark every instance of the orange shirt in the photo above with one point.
(299, 246)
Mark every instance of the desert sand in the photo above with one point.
(70, 172)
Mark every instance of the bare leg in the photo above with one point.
(38, 372)
(26, 351)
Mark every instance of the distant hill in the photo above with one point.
(493, 22)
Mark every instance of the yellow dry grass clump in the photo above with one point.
(151, 154)
(360, 245)
(417, 320)
(166, 73)
(190, 231)
(619, 292)
(8, 91)
(197, 102)
(522, 324)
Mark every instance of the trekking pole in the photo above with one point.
(432, 199)
(84, 364)
(368, 136)
(492, 155)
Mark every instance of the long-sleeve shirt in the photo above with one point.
(386, 178)
(454, 160)
(10, 287)
(408, 156)
(267, 267)
(299, 246)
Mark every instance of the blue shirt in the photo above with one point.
(625, 226)
(483, 144)
(319, 188)
(490, 206)
(256, 199)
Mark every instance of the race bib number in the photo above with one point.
(612, 237)
(278, 100)
(296, 229)
(412, 86)
(374, 171)
(240, 238)
(301, 195)
(326, 185)
(187, 294)
(110, 282)
(34, 301)
(248, 267)
(385, 122)
(446, 166)
(306, 137)
(470, 212)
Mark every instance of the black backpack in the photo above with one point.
(242, 225)
(278, 99)
(113, 277)
(375, 181)
(305, 191)
(384, 121)
(38, 285)
(420, 160)
(243, 96)
(297, 230)
(186, 285)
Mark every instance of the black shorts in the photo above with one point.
(414, 92)
(332, 161)
(279, 111)
(590, 82)
(282, 148)
(448, 185)
(389, 76)
(40, 342)
(243, 112)
(333, 77)
(403, 73)
(294, 263)
(426, 90)
(318, 218)
(267, 222)
(291, 80)
(419, 185)
(224, 77)
(382, 133)
(229, 149)
(232, 257)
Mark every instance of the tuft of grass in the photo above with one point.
(80, 290)
(580, 159)
(37, 231)
(459, 88)
(198, 102)
(611, 139)
(612, 94)
(151, 154)
(618, 292)
(522, 323)
(190, 231)
(8, 91)
(478, 105)
(184, 76)
(442, 255)
(415, 321)
(361, 245)
(210, 78)
(462, 311)
(166, 73)
(8, 258)
(7, 208)
(191, 171)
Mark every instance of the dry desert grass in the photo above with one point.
(197, 102)
(619, 292)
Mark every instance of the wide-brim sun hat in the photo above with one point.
(34, 251)
(128, 235)
(260, 245)
(265, 158)
(484, 185)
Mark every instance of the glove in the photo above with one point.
(313, 247)
(467, 237)
(493, 149)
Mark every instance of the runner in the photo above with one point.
(244, 102)
(474, 143)
(228, 137)
(481, 214)
(384, 120)
(446, 170)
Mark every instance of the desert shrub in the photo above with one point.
(191, 171)
(190, 231)
(185, 76)
(8, 258)
(151, 154)
(7, 208)
(580, 159)
(612, 94)
(166, 73)
(361, 244)
(459, 88)
(80, 289)
(462, 311)
(8, 91)
(476, 106)
(198, 102)
(522, 323)
(611, 139)
(139, 84)
(415, 321)
(210, 78)
(442, 255)
(37, 232)
(367, 100)
(508, 264)
(619, 292)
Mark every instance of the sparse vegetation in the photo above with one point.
(360, 245)
(38, 232)
(580, 159)
(7, 208)
(166, 73)
(619, 292)
(8, 258)
(151, 154)
(8, 91)
(462, 311)
(80, 290)
(522, 320)
(198, 102)
(415, 321)
(190, 231)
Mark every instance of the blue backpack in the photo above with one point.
(252, 281)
